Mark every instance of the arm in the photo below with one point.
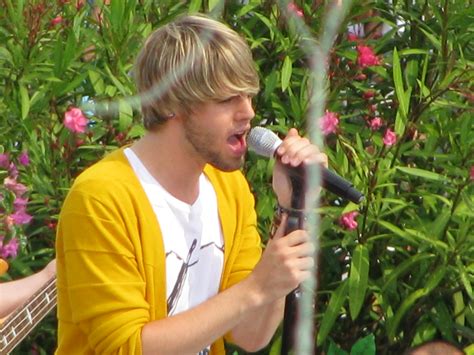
(258, 297)
(14, 293)
(258, 328)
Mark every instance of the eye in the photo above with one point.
(229, 99)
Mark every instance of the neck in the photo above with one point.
(164, 154)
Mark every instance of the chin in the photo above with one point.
(228, 166)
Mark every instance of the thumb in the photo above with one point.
(280, 232)
(293, 132)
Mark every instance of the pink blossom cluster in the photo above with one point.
(75, 120)
(13, 203)
(293, 8)
(329, 123)
(366, 56)
(348, 221)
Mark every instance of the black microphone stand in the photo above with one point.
(295, 221)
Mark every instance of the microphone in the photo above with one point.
(265, 142)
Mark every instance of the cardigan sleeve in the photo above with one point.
(101, 281)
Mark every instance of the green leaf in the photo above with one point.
(432, 38)
(270, 84)
(25, 101)
(116, 81)
(246, 9)
(215, 4)
(393, 229)
(439, 224)
(194, 6)
(332, 312)
(97, 82)
(125, 115)
(117, 13)
(444, 321)
(286, 73)
(411, 72)
(399, 124)
(406, 265)
(334, 349)
(465, 278)
(276, 347)
(136, 131)
(459, 307)
(399, 89)
(69, 52)
(429, 175)
(358, 279)
(364, 346)
(5, 55)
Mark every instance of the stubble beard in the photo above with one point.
(204, 145)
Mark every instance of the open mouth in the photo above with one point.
(237, 142)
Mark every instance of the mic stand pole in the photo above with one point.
(295, 221)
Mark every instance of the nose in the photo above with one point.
(246, 110)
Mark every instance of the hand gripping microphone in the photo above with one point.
(264, 142)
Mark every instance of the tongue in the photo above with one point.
(237, 144)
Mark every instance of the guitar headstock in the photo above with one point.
(3, 266)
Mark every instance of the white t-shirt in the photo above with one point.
(193, 240)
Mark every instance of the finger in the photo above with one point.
(319, 158)
(297, 237)
(290, 137)
(280, 232)
(303, 264)
(294, 147)
(308, 154)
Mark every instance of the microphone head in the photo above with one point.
(263, 141)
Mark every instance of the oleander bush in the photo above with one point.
(396, 270)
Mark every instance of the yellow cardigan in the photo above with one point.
(111, 260)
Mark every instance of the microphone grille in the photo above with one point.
(263, 141)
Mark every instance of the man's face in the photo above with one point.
(217, 131)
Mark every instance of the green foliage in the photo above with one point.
(404, 275)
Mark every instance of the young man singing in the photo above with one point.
(157, 247)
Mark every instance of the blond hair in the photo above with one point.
(191, 60)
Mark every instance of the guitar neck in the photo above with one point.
(19, 324)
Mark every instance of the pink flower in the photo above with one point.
(9, 222)
(329, 123)
(368, 94)
(367, 57)
(20, 202)
(352, 37)
(80, 4)
(292, 7)
(21, 217)
(472, 172)
(10, 249)
(75, 121)
(14, 186)
(24, 159)
(347, 220)
(13, 170)
(4, 160)
(57, 20)
(375, 123)
(390, 138)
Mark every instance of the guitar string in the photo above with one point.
(20, 334)
(37, 298)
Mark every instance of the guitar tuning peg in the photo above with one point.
(3, 266)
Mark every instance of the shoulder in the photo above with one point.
(110, 178)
